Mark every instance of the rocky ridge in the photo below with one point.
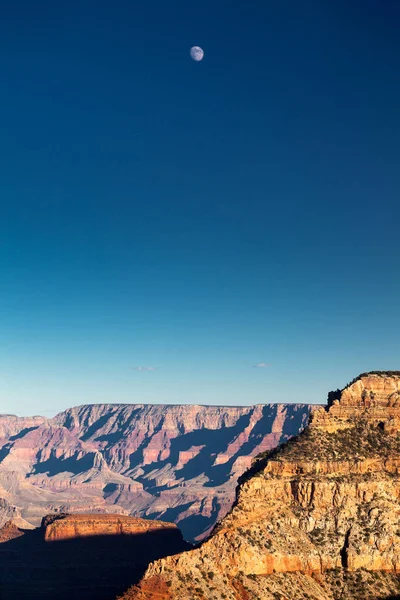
(317, 518)
(174, 463)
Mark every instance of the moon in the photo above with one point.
(197, 53)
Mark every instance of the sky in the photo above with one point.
(166, 225)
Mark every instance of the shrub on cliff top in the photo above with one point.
(362, 440)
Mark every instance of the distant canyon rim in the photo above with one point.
(177, 463)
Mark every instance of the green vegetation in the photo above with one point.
(380, 373)
(362, 584)
(337, 394)
(362, 440)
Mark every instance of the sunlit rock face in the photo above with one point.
(317, 518)
(68, 527)
(174, 463)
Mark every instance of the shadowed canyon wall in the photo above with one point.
(85, 556)
(176, 463)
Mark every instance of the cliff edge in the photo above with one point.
(67, 527)
(317, 518)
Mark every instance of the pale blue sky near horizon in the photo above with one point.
(197, 219)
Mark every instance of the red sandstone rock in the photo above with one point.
(316, 519)
(89, 525)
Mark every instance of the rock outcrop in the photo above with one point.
(9, 531)
(175, 463)
(317, 518)
(9, 513)
(68, 527)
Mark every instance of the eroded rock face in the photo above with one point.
(175, 463)
(372, 397)
(10, 513)
(312, 519)
(67, 527)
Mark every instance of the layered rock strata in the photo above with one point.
(67, 527)
(174, 463)
(318, 518)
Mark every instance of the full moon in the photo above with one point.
(197, 53)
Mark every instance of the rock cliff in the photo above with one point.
(175, 463)
(67, 527)
(317, 518)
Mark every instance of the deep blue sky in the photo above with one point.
(197, 217)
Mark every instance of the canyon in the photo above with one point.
(168, 462)
(316, 518)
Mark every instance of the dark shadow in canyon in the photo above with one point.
(214, 441)
(86, 568)
(5, 451)
(53, 465)
(195, 525)
(97, 425)
(171, 514)
(123, 426)
(137, 457)
(22, 433)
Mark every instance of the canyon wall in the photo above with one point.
(175, 463)
(317, 518)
